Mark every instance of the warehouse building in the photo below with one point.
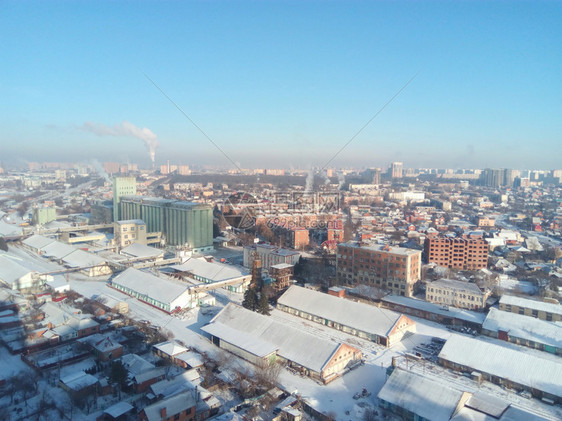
(539, 309)
(414, 396)
(234, 278)
(505, 364)
(261, 340)
(524, 330)
(382, 326)
(165, 294)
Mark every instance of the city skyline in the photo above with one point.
(283, 84)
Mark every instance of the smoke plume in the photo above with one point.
(126, 129)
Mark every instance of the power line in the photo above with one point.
(191, 121)
(369, 121)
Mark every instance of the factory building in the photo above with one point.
(181, 223)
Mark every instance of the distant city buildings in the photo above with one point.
(396, 169)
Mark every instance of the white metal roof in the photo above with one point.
(456, 285)
(170, 348)
(81, 258)
(242, 325)
(364, 317)
(140, 250)
(163, 290)
(37, 241)
(420, 395)
(520, 365)
(57, 250)
(532, 304)
(457, 313)
(211, 270)
(524, 327)
(11, 271)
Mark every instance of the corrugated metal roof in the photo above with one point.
(521, 365)
(524, 327)
(293, 344)
(360, 316)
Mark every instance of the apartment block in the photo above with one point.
(456, 294)
(129, 232)
(457, 253)
(391, 268)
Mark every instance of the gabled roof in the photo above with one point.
(360, 316)
(524, 327)
(140, 250)
(163, 290)
(170, 348)
(37, 241)
(261, 336)
(57, 250)
(173, 405)
(535, 369)
(532, 304)
(11, 271)
(214, 271)
(81, 258)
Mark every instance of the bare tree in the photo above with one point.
(267, 374)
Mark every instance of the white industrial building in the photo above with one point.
(363, 320)
(234, 278)
(524, 330)
(506, 364)
(165, 294)
(261, 340)
(418, 397)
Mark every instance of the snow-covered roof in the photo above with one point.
(532, 304)
(507, 361)
(57, 250)
(191, 358)
(169, 387)
(135, 364)
(360, 316)
(173, 406)
(280, 266)
(118, 409)
(170, 348)
(37, 241)
(261, 335)
(11, 271)
(160, 289)
(81, 258)
(383, 248)
(140, 250)
(456, 285)
(211, 270)
(524, 327)
(78, 380)
(422, 396)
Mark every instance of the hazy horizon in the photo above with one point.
(283, 84)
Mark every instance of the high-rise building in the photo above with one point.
(457, 253)
(111, 167)
(181, 223)
(396, 169)
(122, 186)
(391, 268)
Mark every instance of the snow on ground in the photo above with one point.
(511, 284)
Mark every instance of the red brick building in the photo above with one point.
(457, 253)
(390, 268)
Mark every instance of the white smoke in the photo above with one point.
(341, 179)
(309, 184)
(99, 169)
(126, 129)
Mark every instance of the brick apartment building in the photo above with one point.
(457, 253)
(390, 268)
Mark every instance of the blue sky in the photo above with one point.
(285, 83)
